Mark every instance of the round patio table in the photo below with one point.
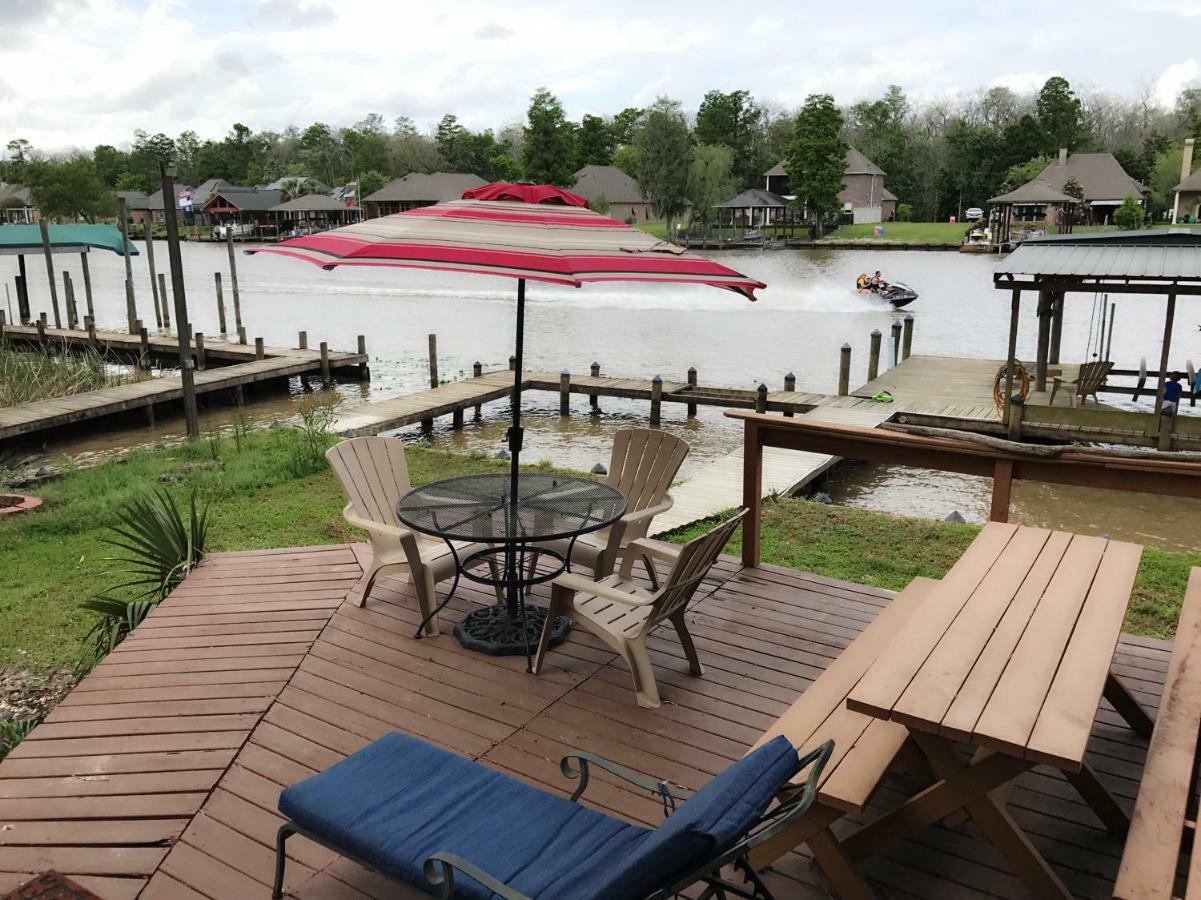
(477, 508)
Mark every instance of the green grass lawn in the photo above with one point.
(271, 493)
(903, 232)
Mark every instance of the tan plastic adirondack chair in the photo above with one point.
(643, 464)
(622, 613)
(1088, 381)
(374, 476)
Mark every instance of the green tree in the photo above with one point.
(110, 163)
(732, 120)
(291, 188)
(1023, 140)
(1129, 216)
(69, 188)
(1165, 175)
(624, 125)
(816, 160)
(710, 179)
(601, 205)
(1059, 114)
(594, 142)
(321, 152)
(1188, 113)
(366, 145)
(547, 152)
(503, 168)
(1024, 172)
(370, 182)
(663, 156)
(19, 151)
(147, 152)
(878, 131)
(626, 159)
(186, 147)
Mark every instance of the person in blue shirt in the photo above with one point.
(1171, 392)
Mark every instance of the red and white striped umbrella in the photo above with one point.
(495, 230)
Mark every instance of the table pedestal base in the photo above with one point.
(491, 630)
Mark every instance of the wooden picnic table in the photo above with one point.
(1011, 657)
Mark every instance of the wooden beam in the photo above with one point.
(1093, 287)
(1044, 341)
(752, 492)
(1015, 306)
(45, 229)
(1169, 316)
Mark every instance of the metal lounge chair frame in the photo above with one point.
(441, 869)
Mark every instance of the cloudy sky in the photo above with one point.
(74, 73)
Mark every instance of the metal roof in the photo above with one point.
(15, 239)
(755, 198)
(1154, 254)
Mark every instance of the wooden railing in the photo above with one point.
(1159, 474)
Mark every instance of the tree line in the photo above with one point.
(940, 157)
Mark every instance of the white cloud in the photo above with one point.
(1175, 78)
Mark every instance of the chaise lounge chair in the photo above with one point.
(450, 826)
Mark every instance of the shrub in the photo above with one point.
(1129, 215)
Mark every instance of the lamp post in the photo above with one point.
(182, 326)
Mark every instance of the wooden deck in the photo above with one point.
(158, 776)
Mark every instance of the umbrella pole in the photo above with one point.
(512, 592)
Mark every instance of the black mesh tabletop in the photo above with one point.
(476, 508)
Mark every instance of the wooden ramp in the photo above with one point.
(718, 486)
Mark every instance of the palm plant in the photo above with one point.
(160, 546)
(13, 732)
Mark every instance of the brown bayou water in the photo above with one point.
(807, 312)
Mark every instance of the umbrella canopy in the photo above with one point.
(554, 238)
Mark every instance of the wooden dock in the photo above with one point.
(158, 776)
(229, 367)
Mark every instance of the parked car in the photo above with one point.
(975, 214)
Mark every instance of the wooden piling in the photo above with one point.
(1057, 299)
(691, 407)
(241, 334)
(456, 419)
(23, 313)
(87, 283)
(233, 279)
(259, 351)
(364, 367)
(656, 400)
(844, 371)
(45, 229)
(896, 343)
(159, 302)
(144, 355)
(90, 324)
(564, 393)
(42, 329)
(1017, 408)
(594, 398)
(69, 295)
(873, 356)
(761, 398)
(131, 309)
(907, 338)
(789, 387)
(512, 363)
(302, 340)
(162, 294)
(220, 303)
(200, 357)
(325, 375)
(1044, 340)
(433, 353)
(1167, 424)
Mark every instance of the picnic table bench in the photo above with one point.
(1163, 827)
(1010, 656)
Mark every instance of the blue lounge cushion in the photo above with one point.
(398, 801)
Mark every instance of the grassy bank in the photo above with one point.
(271, 492)
(28, 375)
(903, 232)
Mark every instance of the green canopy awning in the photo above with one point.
(63, 238)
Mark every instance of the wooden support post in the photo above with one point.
(90, 324)
(907, 338)
(1002, 490)
(23, 313)
(1017, 408)
(594, 399)
(259, 351)
(325, 375)
(150, 415)
(159, 302)
(144, 353)
(873, 356)
(200, 357)
(302, 340)
(163, 300)
(69, 295)
(752, 494)
(1044, 340)
(456, 419)
(42, 329)
(433, 344)
(477, 369)
(1015, 305)
(1057, 299)
(220, 303)
(239, 395)
(512, 363)
(761, 398)
(789, 387)
(692, 384)
(241, 334)
(45, 229)
(131, 309)
(179, 297)
(1167, 424)
(1165, 350)
(564, 393)
(87, 283)
(844, 371)
(233, 279)
(364, 367)
(896, 343)
(656, 400)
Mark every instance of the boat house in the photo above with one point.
(626, 201)
(419, 189)
(243, 206)
(864, 197)
(1103, 181)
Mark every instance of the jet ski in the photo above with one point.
(895, 292)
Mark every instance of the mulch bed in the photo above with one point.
(51, 886)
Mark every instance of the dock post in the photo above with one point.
(896, 343)
(69, 294)
(594, 398)
(844, 371)
(260, 351)
(131, 309)
(302, 340)
(45, 229)
(656, 400)
(42, 329)
(477, 369)
(433, 360)
(456, 419)
(159, 302)
(144, 335)
(87, 283)
(90, 324)
(364, 368)
(220, 302)
(907, 338)
(325, 364)
(1057, 299)
(761, 399)
(233, 278)
(1017, 407)
(1044, 340)
(200, 358)
(564, 393)
(241, 334)
(512, 363)
(789, 387)
(23, 314)
(1167, 424)
(150, 415)
(873, 356)
(162, 296)
(692, 384)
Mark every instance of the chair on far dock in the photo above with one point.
(374, 476)
(643, 464)
(1089, 380)
(622, 613)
